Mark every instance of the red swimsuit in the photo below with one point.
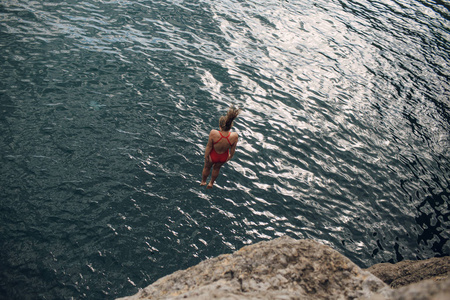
(216, 157)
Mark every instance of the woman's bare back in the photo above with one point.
(221, 144)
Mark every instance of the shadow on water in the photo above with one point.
(432, 216)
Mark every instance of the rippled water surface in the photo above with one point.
(105, 109)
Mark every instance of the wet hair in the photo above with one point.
(226, 122)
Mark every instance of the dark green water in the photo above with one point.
(105, 109)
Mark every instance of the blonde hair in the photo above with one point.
(226, 122)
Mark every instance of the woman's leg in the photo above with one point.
(205, 173)
(215, 173)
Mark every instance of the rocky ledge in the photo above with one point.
(411, 271)
(286, 268)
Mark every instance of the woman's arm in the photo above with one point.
(233, 149)
(209, 146)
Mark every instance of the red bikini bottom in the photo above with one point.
(218, 158)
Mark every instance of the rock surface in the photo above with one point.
(286, 268)
(409, 271)
(424, 290)
(283, 268)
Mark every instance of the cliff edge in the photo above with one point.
(283, 268)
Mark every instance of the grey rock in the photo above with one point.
(286, 268)
(283, 268)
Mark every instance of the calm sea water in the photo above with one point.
(105, 109)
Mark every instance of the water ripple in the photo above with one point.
(106, 107)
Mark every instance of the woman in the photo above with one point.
(221, 146)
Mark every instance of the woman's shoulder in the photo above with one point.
(214, 134)
(234, 136)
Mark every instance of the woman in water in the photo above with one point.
(221, 146)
